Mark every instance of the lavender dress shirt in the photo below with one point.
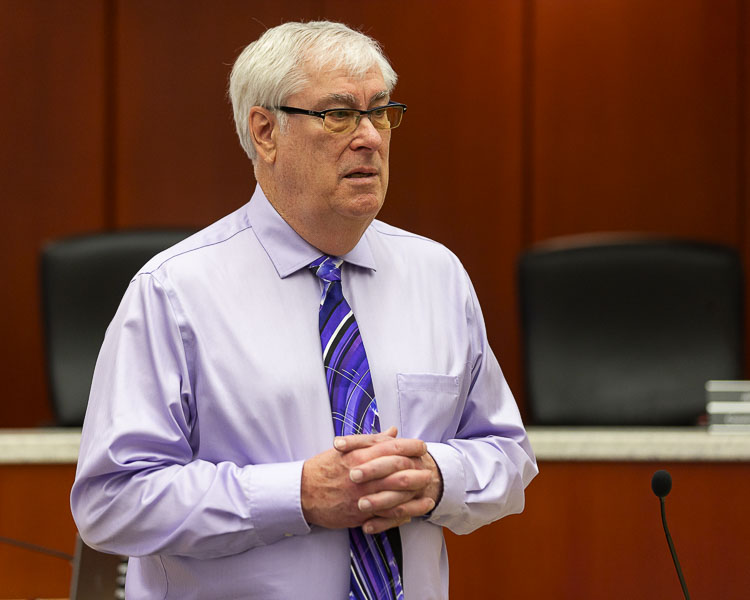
(209, 394)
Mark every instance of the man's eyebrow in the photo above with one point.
(341, 99)
(380, 96)
(350, 99)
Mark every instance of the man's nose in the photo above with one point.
(366, 135)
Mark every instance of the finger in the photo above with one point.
(391, 447)
(386, 493)
(406, 484)
(399, 515)
(383, 502)
(414, 480)
(379, 524)
(348, 443)
(416, 507)
(382, 466)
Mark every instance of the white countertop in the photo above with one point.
(39, 446)
(638, 444)
(60, 446)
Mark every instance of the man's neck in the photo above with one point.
(335, 236)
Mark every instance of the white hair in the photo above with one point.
(273, 67)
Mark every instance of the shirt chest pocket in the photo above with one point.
(429, 405)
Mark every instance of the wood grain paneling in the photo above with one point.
(52, 177)
(634, 121)
(34, 508)
(178, 161)
(593, 530)
(743, 164)
(589, 530)
(624, 114)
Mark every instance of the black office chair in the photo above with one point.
(627, 330)
(83, 279)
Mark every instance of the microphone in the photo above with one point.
(661, 484)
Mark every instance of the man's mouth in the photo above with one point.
(359, 175)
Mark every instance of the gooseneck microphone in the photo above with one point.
(661, 484)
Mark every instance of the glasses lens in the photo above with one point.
(340, 121)
(346, 121)
(388, 117)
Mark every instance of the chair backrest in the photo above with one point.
(83, 279)
(621, 331)
(97, 576)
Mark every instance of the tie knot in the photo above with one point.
(327, 268)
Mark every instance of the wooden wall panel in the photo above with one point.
(52, 171)
(589, 531)
(743, 164)
(634, 123)
(34, 508)
(178, 161)
(593, 530)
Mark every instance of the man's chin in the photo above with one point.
(362, 206)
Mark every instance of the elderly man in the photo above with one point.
(293, 402)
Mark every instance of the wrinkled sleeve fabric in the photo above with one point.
(139, 489)
(488, 464)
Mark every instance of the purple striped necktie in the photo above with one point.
(374, 568)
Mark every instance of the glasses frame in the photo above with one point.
(321, 114)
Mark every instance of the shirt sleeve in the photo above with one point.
(489, 463)
(139, 489)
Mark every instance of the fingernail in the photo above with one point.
(364, 504)
(356, 475)
(368, 528)
(432, 505)
(339, 443)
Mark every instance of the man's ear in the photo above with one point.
(263, 131)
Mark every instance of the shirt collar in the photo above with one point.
(288, 251)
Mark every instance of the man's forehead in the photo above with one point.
(328, 83)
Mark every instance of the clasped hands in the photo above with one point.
(375, 481)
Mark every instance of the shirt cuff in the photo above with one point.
(451, 467)
(275, 501)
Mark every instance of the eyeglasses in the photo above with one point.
(346, 120)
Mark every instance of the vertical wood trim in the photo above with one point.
(51, 66)
(743, 157)
(109, 200)
(528, 42)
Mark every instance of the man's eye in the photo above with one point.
(339, 115)
(379, 114)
